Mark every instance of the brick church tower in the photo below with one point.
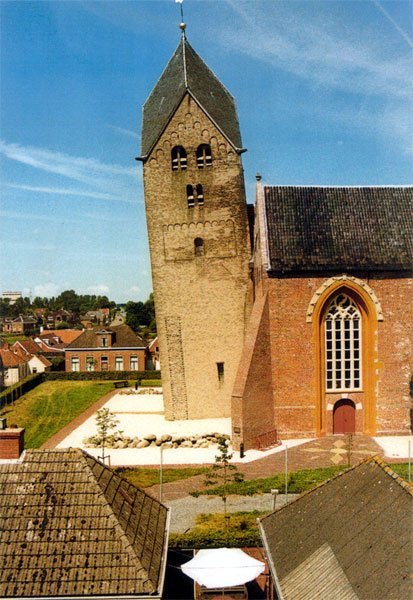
(198, 234)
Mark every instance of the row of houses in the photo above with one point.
(116, 348)
(42, 319)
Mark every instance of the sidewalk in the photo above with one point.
(185, 510)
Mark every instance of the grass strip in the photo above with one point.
(46, 409)
(144, 477)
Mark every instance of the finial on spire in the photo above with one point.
(182, 25)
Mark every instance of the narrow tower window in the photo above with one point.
(199, 246)
(343, 345)
(178, 158)
(204, 156)
(199, 194)
(220, 371)
(190, 196)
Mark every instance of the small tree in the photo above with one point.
(105, 423)
(223, 473)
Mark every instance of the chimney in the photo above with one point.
(11, 441)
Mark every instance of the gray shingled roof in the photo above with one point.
(187, 72)
(349, 538)
(124, 337)
(71, 526)
(348, 228)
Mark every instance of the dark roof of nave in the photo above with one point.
(187, 72)
(349, 228)
(70, 526)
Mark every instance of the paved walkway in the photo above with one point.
(322, 452)
(185, 510)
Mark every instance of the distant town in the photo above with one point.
(74, 332)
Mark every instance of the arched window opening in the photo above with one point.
(199, 246)
(342, 345)
(199, 194)
(190, 196)
(178, 158)
(204, 156)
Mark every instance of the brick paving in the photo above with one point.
(322, 452)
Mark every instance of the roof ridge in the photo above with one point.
(105, 502)
(373, 458)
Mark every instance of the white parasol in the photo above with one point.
(222, 567)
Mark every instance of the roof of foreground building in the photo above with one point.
(330, 228)
(187, 72)
(349, 538)
(72, 527)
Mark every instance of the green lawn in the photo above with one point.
(211, 531)
(50, 406)
(298, 481)
(143, 477)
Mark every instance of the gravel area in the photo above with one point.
(185, 510)
(396, 446)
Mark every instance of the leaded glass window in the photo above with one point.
(343, 345)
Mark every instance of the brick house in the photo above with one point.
(115, 348)
(14, 368)
(300, 323)
(32, 352)
(22, 324)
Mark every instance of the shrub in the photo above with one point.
(102, 375)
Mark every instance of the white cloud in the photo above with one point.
(66, 192)
(100, 289)
(326, 51)
(135, 288)
(123, 131)
(46, 290)
(86, 170)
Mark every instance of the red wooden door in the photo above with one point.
(344, 417)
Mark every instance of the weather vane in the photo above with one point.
(182, 25)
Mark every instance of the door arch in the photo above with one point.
(344, 416)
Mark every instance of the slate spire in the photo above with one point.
(185, 73)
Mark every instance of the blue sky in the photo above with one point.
(323, 91)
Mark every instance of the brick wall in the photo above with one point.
(302, 408)
(110, 353)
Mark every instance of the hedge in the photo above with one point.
(14, 392)
(101, 375)
(215, 539)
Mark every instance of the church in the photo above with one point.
(293, 317)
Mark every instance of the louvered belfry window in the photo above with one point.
(204, 156)
(343, 345)
(178, 158)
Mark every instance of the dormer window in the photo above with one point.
(190, 196)
(103, 342)
(178, 158)
(199, 194)
(199, 246)
(204, 156)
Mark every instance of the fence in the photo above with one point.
(12, 393)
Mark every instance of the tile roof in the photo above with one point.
(66, 335)
(72, 527)
(124, 337)
(30, 346)
(187, 72)
(346, 228)
(10, 359)
(351, 537)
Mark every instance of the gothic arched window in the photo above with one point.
(342, 323)
(178, 158)
(199, 246)
(203, 156)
